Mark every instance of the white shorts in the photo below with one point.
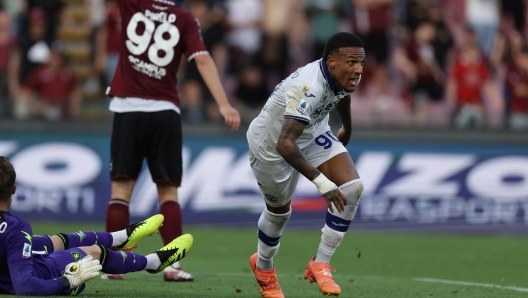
(277, 181)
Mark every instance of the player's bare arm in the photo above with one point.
(288, 149)
(209, 73)
(343, 110)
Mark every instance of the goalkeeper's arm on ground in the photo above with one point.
(20, 263)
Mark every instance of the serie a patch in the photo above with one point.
(26, 252)
(301, 108)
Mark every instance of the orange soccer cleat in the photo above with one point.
(321, 273)
(267, 282)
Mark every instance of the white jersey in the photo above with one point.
(307, 95)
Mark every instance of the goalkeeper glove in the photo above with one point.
(79, 272)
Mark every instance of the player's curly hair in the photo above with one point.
(7, 178)
(341, 40)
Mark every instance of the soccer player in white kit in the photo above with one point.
(291, 135)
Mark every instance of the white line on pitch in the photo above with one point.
(473, 284)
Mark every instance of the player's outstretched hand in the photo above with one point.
(81, 271)
(337, 198)
(231, 116)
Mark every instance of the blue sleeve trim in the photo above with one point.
(297, 118)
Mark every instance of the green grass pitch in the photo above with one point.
(368, 264)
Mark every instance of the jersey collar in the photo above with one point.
(326, 75)
(2, 212)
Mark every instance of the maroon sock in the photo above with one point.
(172, 224)
(117, 215)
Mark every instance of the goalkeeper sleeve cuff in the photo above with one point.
(65, 282)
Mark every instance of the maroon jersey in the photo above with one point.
(154, 35)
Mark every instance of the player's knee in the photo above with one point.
(167, 192)
(285, 209)
(277, 219)
(352, 191)
(58, 242)
(93, 250)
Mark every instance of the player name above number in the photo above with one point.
(168, 2)
(161, 17)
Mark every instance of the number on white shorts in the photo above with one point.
(326, 141)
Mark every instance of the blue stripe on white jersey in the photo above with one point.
(296, 118)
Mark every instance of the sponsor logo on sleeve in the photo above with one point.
(76, 255)
(81, 235)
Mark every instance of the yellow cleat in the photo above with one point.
(140, 230)
(267, 282)
(321, 273)
(173, 252)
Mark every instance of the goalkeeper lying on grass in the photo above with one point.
(61, 264)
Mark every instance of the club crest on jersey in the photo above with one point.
(301, 109)
(26, 252)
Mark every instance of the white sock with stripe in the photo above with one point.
(270, 230)
(336, 223)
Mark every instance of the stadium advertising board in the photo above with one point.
(445, 186)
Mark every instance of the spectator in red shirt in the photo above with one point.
(469, 74)
(517, 83)
(51, 90)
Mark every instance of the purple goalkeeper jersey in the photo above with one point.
(21, 272)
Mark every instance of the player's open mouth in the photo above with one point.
(354, 81)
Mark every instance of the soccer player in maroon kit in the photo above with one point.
(147, 122)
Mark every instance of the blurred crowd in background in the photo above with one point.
(460, 64)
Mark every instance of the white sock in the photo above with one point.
(265, 255)
(330, 240)
(119, 237)
(270, 227)
(324, 252)
(337, 223)
(153, 262)
(176, 265)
